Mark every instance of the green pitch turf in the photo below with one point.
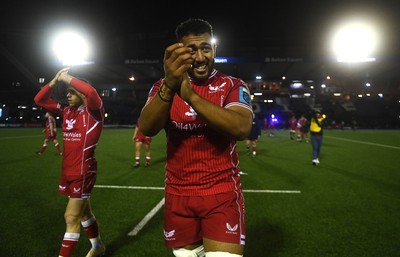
(348, 206)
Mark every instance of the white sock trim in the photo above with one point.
(71, 236)
(222, 254)
(88, 222)
(182, 252)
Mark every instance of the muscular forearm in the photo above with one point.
(155, 113)
(154, 116)
(234, 122)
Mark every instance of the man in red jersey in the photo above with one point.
(50, 134)
(292, 127)
(83, 119)
(138, 138)
(204, 112)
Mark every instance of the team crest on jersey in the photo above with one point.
(244, 95)
(216, 89)
(70, 123)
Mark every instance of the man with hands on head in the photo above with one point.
(83, 119)
(203, 112)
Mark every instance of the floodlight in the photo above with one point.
(71, 48)
(355, 41)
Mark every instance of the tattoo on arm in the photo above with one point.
(165, 93)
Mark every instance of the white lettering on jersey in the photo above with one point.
(187, 126)
(72, 136)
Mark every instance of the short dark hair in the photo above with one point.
(193, 27)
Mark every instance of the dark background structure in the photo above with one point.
(270, 39)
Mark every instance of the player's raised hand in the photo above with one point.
(186, 91)
(177, 60)
(56, 78)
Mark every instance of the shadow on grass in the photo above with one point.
(119, 242)
(142, 244)
(265, 238)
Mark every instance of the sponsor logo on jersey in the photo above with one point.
(244, 95)
(230, 229)
(187, 126)
(169, 235)
(72, 134)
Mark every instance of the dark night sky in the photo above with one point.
(119, 30)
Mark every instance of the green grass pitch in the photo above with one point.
(348, 206)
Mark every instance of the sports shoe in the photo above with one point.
(242, 173)
(94, 252)
(136, 165)
(315, 161)
(147, 164)
(38, 153)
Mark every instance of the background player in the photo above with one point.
(139, 139)
(251, 140)
(50, 134)
(83, 119)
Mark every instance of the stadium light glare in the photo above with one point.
(71, 48)
(355, 41)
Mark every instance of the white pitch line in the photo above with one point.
(245, 190)
(17, 137)
(272, 191)
(363, 142)
(146, 218)
(130, 187)
(156, 208)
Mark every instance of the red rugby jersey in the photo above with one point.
(50, 121)
(200, 161)
(81, 127)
